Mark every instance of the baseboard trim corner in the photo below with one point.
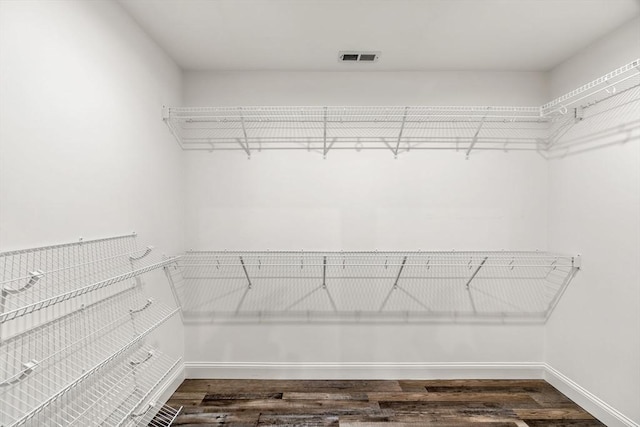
(590, 402)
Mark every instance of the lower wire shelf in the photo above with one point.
(70, 354)
(370, 286)
(74, 330)
(112, 398)
(159, 416)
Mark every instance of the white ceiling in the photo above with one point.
(412, 34)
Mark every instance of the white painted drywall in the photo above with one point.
(365, 201)
(364, 88)
(83, 150)
(593, 337)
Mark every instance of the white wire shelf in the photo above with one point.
(158, 416)
(73, 328)
(399, 129)
(40, 278)
(117, 397)
(370, 286)
(44, 365)
(130, 384)
(614, 120)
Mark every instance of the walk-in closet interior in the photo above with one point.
(319, 212)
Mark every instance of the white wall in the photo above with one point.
(83, 150)
(593, 337)
(365, 201)
(364, 88)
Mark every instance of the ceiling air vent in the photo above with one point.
(350, 56)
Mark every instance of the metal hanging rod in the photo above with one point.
(398, 129)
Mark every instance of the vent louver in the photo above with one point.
(353, 56)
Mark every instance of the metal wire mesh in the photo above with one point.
(395, 128)
(114, 397)
(361, 286)
(74, 323)
(611, 121)
(335, 128)
(40, 278)
(159, 416)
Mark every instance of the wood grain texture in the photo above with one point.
(352, 403)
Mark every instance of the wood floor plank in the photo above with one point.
(431, 424)
(240, 396)
(298, 420)
(201, 418)
(292, 407)
(511, 398)
(176, 403)
(410, 385)
(565, 423)
(553, 414)
(360, 396)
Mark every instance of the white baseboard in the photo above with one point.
(590, 402)
(274, 370)
(170, 385)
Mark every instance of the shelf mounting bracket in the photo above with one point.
(245, 146)
(324, 135)
(147, 251)
(475, 272)
(244, 268)
(475, 137)
(244, 295)
(324, 283)
(395, 284)
(404, 120)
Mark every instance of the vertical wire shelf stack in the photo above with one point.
(74, 329)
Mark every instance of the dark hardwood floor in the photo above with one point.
(464, 403)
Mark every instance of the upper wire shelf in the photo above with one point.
(399, 128)
(370, 286)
